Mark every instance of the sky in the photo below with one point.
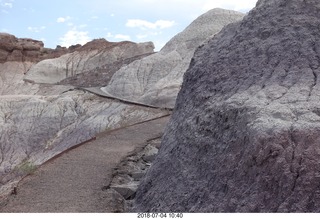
(70, 22)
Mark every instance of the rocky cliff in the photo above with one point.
(93, 57)
(156, 79)
(244, 136)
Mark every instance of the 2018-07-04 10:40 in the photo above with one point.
(160, 215)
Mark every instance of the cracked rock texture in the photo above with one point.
(94, 56)
(156, 79)
(245, 133)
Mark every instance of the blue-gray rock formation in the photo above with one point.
(245, 133)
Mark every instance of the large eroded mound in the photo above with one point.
(245, 134)
(156, 79)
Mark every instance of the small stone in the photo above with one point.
(150, 153)
(126, 190)
(138, 175)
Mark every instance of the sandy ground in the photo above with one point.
(74, 181)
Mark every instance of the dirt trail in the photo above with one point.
(73, 182)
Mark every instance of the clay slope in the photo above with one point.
(244, 136)
(101, 75)
(93, 57)
(12, 81)
(156, 79)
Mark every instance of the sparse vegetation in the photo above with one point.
(26, 167)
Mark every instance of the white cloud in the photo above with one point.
(82, 25)
(36, 29)
(63, 19)
(29, 10)
(143, 24)
(73, 37)
(147, 34)
(8, 5)
(109, 35)
(122, 37)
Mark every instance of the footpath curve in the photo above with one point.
(74, 181)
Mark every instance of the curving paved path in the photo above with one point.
(73, 181)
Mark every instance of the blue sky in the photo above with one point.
(68, 22)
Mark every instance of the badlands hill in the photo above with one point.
(156, 79)
(244, 136)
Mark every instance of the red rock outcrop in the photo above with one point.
(29, 50)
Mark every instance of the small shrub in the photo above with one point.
(27, 167)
